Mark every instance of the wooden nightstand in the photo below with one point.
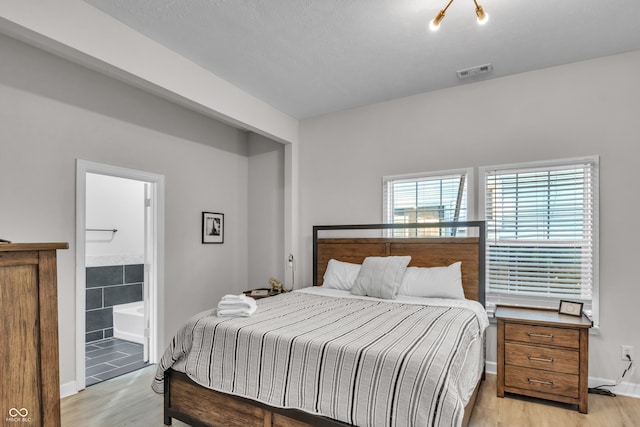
(543, 354)
(259, 293)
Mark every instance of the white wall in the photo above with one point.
(588, 108)
(53, 112)
(114, 203)
(266, 211)
(144, 63)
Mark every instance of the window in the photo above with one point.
(542, 233)
(433, 197)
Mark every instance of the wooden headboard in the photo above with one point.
(425, 252)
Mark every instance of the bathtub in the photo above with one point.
(128, 322)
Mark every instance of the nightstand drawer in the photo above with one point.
(541, 381)
(548, 359)
(548, 335)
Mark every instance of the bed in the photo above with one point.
(329, 358)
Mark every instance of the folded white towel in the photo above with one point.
(243, 312)
(231, 297)
(246, 303)
(237, 305)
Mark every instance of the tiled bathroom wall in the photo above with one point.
(108, 286)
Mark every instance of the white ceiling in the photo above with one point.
(312, 57)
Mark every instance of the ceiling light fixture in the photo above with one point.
(483, 17)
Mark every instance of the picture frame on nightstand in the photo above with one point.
(571, 308)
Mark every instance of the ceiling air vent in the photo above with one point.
(474, 71)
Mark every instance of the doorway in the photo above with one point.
(119, 231)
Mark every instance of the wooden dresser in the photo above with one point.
(30, 387)
(543, 354)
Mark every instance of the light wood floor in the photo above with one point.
(123, 401)
(129, 401)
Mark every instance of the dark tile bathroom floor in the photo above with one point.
(110, 358)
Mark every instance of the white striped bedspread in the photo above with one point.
(365, 362)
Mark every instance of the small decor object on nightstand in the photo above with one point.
(212, 227)
(276, 287)
(571, 308)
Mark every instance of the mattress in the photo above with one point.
(359, 360)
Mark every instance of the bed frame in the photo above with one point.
(198, 406)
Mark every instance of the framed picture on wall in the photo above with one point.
(212, 227)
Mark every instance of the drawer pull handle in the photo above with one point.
(550, 336)
(531, 380)
(540, 359)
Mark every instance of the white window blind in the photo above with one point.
(542, 231)
(433, 197)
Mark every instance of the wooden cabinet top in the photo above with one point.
(15, 247)
(541, 316)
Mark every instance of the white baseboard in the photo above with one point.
(623, 389)
(68, 389)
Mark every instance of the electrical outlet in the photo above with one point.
(626, 350)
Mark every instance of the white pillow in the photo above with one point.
(381, 276)
(340, 275)
(434, 282)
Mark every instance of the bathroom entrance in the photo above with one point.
(118, 320)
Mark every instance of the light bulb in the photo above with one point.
(435, 24)
(483, 17)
